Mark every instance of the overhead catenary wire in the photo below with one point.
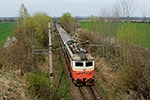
(120, 66)
(129, 73)
(93, 45)
(133, 76)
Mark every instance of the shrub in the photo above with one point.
(32, 30)
(39, 84)
(10, 89)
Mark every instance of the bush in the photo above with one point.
(39, 84)
(32, 30)
(10, 89)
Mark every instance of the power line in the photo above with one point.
(120, 66)
(125, 75)
(132, 76)
(129, 73)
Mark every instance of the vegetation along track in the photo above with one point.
(89, 93)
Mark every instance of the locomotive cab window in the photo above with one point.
(89, 64)
(78, 64)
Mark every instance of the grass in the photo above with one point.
(104, 92)
(6, 29)
(89, 25)
(144, 33)
(10, 89)
(63, 81)
(140, 34)
(39, 83)
(101, 87)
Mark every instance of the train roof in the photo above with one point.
(78, 53)
(64, 35)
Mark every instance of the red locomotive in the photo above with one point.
(80, 62)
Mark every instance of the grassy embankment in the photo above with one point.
(126, 54)
(6, 29)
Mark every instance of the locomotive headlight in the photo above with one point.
(77, 72)
(90, 72)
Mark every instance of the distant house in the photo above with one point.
(1, 20)
(8, 19)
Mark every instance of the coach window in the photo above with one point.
(89, 64)
(78, 64)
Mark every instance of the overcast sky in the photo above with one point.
(10, 8)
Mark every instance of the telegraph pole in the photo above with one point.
(50, 57)
(50, 52)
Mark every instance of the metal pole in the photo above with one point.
(50, 53)
(50, 58)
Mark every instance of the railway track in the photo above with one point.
(88, 93)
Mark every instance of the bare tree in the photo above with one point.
(116, 11)
(144, 14)
(126, 7)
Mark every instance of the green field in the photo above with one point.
(139, 33)
(6, 29)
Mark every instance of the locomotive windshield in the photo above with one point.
(89, 64)
(79, 64)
